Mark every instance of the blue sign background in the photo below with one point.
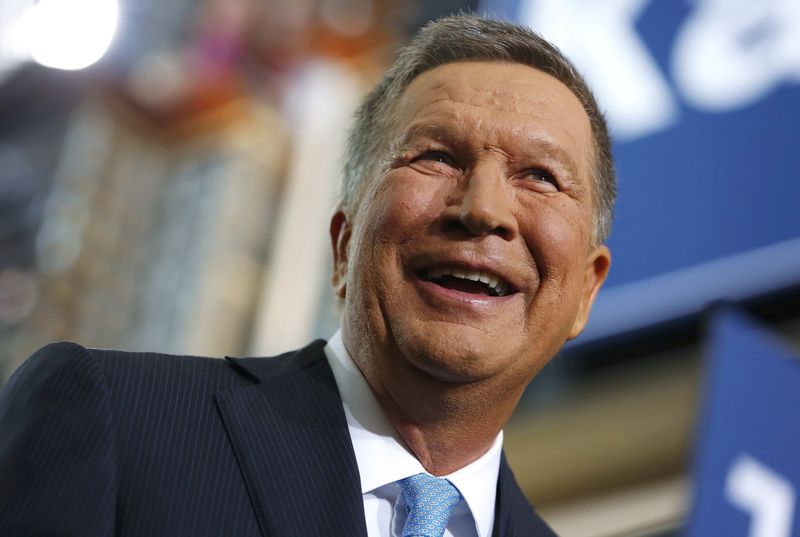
(751, 411)
(708, 208)
(712, 185)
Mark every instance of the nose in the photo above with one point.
(482, 204)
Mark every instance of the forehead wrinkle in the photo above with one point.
(451, 127)
(432, 99)
(513, 97)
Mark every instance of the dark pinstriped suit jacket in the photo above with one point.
(132, 444)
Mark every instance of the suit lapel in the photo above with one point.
(514, 516)
(504, 495)
(291, 441)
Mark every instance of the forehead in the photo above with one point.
(504, 103)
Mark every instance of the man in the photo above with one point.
(467, 247)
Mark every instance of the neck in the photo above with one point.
(443, 435)
(446, 424)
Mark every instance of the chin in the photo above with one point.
(454, 354)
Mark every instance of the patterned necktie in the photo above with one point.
(430, 501)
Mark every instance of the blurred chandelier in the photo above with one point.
(60, 34)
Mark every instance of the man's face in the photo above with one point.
(489, 180)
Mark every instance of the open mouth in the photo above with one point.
(474, 282)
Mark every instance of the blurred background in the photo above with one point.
(168, 169)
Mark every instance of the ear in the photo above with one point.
(596, 271)
(340, 242)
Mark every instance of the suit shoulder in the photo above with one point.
(60, 353)
(57, 430)
(132, 368)
(51, 362)
(116, 367)
(157, 360)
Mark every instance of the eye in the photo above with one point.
(542, 176)
(436, 156)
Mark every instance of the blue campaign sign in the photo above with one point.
(747, 463)
(703, 99)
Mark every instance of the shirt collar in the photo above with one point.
(382, 456)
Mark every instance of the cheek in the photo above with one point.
(404, 206)
(558, 236)
(396, 212)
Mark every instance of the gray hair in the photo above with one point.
(470, 38)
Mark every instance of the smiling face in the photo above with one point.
(471, 259)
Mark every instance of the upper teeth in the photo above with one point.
(493, 281)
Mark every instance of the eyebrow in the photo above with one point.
(542, 143)
(421, 131)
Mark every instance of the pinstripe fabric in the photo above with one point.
(113, 443)
(291, 437)
(57, 468)
(136, 444)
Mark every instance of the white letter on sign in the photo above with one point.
(730, 53)
(765, 495)
(601, 38)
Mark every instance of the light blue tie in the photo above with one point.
(430, 501)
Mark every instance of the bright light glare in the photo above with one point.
(68, 35)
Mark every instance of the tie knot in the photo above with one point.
(430, 502)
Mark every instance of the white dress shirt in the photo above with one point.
(383, 459)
